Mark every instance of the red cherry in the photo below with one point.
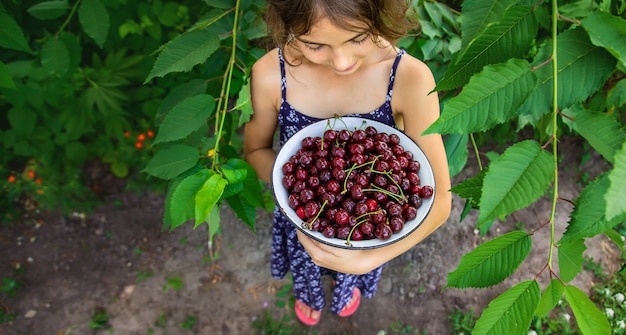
(300, 212)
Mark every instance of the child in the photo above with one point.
(338, 57)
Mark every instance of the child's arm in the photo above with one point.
(259, 132)
(419, 110)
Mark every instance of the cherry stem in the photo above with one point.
(348, 243)
(308, 225)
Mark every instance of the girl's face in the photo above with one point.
(342, 51)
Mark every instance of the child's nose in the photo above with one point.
(341, 60)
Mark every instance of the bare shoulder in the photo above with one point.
(412, 73)
(266, 83)
(267, 68)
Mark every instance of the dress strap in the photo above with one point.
(392, 75)
(283, 85)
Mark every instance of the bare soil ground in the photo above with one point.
(147, 281)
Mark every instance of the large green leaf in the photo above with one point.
(590, 320)
(516, 179)
(55, 58)
(252, 191)
(185, 52)
(183, 200)
(6, 81)
(456, 152)
(617, 95)
(588, 218)
(171, 162)
(94, 18)
(243, 209)
(11, 34)
(508, 38)
(208, 196)
(550, 298)
(477, 109)
(582, 69)
(49, 10)
(478, 14)
(185, 118)
(177, 95)
(491, 262)
(511, 312)
(571, 258)
(602, 131)
(607, 31)
(614, 196)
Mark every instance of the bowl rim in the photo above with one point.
(350, 123)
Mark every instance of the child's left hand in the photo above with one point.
(338, 259)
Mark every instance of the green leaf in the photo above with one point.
(516, 179)
(243, 209)
(208, 196)
(223, 4)
(456, 152)
(171, 162)
(23, 121)
(214, 221)
(617, 95)
(185, 118)
(607, 31)
(49, 10)
(571, 258)
(76, 152)
(590, 320)
(244, 105)
(582, 69)
(185, 52)
(183, 201)
(55, 58)
(602, 131)
(252, 192)
(508, 38)
(178, 94)
(471, 188)
(119, 169)
(235, 178)
(616, 237)
(550, 298)
(477, 109)
(491, 262)
(94, 18)
(11, 34)
(588, 217)
(511, 312)
(478, 14)
(6, 81)
(614, 196)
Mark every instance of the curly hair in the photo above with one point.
(384, 18)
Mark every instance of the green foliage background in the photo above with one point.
(75, 77)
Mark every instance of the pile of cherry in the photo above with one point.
(354, 185)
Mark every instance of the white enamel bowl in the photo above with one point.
(350, 123)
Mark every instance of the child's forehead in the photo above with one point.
(327, 29)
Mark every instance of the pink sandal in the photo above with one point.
(307, 320)
(356, 301)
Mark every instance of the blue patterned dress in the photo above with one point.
(287, 252)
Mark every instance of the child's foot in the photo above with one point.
(352, 305)
(306, 314)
